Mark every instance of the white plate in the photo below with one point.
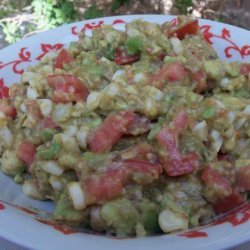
(22, 227)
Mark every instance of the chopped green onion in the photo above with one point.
(134, 45)
(169, 98)
(49, 153)
(241, 93)
(47, 134)
(109, 52)
(208, 113)
(151, 221)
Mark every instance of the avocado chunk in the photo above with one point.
(149, 216)
(231, 102)
(11, 165)
(214, 70)
(65, 213)
(121, 216)
(232, 68)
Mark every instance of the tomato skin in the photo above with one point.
(63, 58)
(110, 131)
(67, 88)
(8, 111)
(172, 72)
(48, 123)
(26, 152)
(243, 178)
(122, 58)
(189, 28)
(217, 184)
(109, 184)
(175, 72)
(181, 121)
(245, 69)
(174, 163)
(229, 203)
(103, 187)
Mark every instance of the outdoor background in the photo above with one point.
(20, 18)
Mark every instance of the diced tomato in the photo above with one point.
(110, 131)
(188, 28)
(200, 79)
(218, 185)
(104, 186)
(174, 163)
(8, 110)
(172, 72)
(48, 123)
(245, 68)
(63, 58)
(122, 58)
(109, 185)
(26, 152)
(67, 88)
(181, 121)
(243, 178)
(33, 109)
(229, 203)
(140, 125)
(175, 72)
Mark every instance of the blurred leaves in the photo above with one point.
(93, 12)
(51, 13)
(182, 6)
(11, 31)
(19, 17)
(118, 3)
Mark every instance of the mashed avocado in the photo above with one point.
(131, 133)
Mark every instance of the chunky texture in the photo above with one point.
(132, 132)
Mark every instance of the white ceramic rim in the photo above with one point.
(47, 238)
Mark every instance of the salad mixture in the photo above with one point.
(132, 132)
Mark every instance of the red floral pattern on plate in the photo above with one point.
(194, 234)
(235, 218)
(46, 48)
(61, 228)
(2, 207)
(226, 36)
(29, 211)
(87, 26)
(4, 90)
(93, 25)
(24, 56)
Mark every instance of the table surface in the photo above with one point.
(7, 245)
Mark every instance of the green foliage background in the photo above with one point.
(19, 17)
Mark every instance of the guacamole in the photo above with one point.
(131, 133)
